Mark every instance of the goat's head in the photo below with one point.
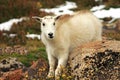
(48, 26)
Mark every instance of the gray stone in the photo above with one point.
(10, 64)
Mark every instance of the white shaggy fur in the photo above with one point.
(69, 31)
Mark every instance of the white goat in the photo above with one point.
(63, 33)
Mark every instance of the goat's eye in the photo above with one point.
(43, 24)
(54, 23)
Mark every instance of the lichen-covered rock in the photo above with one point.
(96, 61)
(10, 64)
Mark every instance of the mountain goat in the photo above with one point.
(61, 34)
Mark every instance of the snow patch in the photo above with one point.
(7, 25)
(112, 12)
(33, 36)
(97, 0)
(96, 8)
(12, 35)
(62, 9)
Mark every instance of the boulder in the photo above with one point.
(96, 61)
(10, 64)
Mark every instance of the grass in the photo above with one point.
(33, 45)
(36, 50)
(25, 59)
(43, 53)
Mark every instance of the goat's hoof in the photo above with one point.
(50, 75)
(57, 77)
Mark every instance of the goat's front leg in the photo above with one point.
(62, 61)
(52, 62)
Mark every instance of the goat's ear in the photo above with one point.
(38, 19)
(57, 17)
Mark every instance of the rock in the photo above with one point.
(8, 50)
(15, 49)
(11, 69)
(118, 25)
(109, 26)
(10, 64)
(96, 61)
(107, 19)
(114, 25)
(20, 49)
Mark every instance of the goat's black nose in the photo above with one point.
(50, 35)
